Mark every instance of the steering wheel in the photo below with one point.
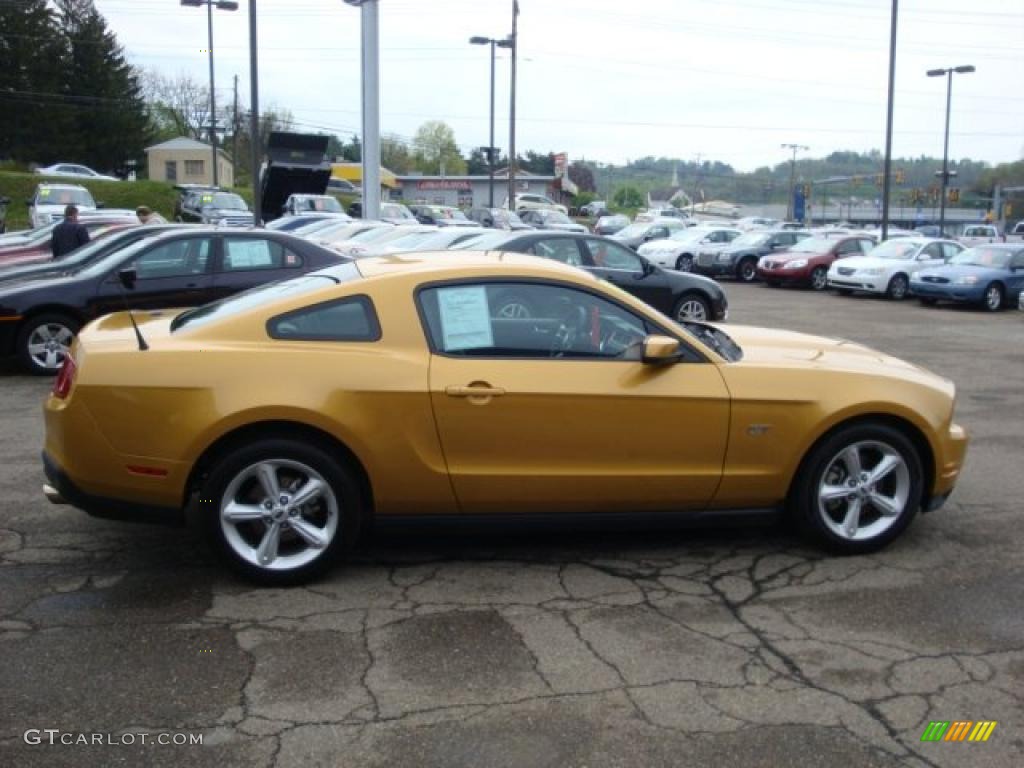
(570, 327)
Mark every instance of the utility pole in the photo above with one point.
(514, 40)
(254, 115)
(886, 184)
(234, 129)
(792, 178)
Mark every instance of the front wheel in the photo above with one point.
(993, 300)
(859, 488)
(692, 308)
(684, 263)
(897, 289)
(747, 270)
(819, 278)
(282, 511)
(45, 341)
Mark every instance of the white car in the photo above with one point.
(980, 234)
(640, 232)
(49, 201)
(756, 222)
(887, 268)
(533, 202)
(679, 249)
(74, 171)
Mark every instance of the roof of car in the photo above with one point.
(445, 262)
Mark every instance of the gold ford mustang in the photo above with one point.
(285, 418)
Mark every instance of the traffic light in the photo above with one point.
(954, 195)
(900, 176)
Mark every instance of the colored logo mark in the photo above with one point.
(958, 730)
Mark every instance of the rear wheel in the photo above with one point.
(45, 341)
(747, 270)
(282, 511)
(692, 307)
(897, 288)
(819, 278)
(684, 263)
(859, 488)
(993, 300)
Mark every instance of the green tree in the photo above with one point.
(31, 88)
(395, 156)
(435, 150)
(107, 119)
(628, 197)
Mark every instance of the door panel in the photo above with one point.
(524, 429)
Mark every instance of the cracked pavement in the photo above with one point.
(740, 646)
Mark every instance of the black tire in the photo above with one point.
(898, 287)
(927, 302)
(746, 270)
(684, 263)
(844, 291)
(31, 334)
(994, 298)
(692, 305)
(810, 515)
(819, 279)
(340, 482)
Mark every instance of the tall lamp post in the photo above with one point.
(370, 67)
(223, 5)
(792, 177)
(503, 43)
(948, 72)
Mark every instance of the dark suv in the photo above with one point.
(739, 258)
(206, 206)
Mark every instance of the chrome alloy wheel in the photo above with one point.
(49, 344)
(693, 310)
(864, 490)
(279, 514)
(993, 298)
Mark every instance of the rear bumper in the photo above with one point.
(103, 507)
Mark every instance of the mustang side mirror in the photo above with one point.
(659, 350)
(127, 276)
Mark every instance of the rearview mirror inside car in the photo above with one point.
(660, 350)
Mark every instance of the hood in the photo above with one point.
(866, 262)
(28, 272)
(770, 346)
(18, 285)
(227, 213)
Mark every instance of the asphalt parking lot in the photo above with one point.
(694, 647)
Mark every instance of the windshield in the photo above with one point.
(60, 196)
(751, 239)
(225, 201)
(994, 258)
(104, 262)
(374, 233)
(394, 211)
(813, 245)
(556, 216)
(264, 294)
(326, 204)
(633, 230)
(895, 249)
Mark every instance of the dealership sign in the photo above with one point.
(428, 184)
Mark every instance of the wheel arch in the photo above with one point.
(905, 426)
(288, 429)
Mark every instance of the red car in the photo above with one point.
(807, 262)
(35, 245)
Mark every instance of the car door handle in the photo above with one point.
(474, 390)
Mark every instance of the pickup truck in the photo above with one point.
(979, 234)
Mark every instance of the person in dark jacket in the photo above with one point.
(69, 234)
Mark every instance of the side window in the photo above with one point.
(178, 258)
(1017, 262)
(350, 319)
(932, 251)
(529, 320)
(243, 254)
(949, 250)
(866, 245)
(848, 247)
(728, 237)
(613, 256)
(561, 249)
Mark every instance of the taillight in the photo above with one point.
(65, 377)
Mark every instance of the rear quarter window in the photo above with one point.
(350, 319)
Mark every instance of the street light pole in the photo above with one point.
(506, 43)
(887, 169)
(370, 51)
(948, 72)
(514, 45)
(224, 5)
(254, 117)
(792, 178)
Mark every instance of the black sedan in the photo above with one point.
(681, 296)
(40, 316)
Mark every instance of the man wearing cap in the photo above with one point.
(148, 216)
(69, 234)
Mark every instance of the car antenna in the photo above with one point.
(126, 279)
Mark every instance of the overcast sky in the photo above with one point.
(611, 80)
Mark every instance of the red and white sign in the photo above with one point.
(428, 184)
